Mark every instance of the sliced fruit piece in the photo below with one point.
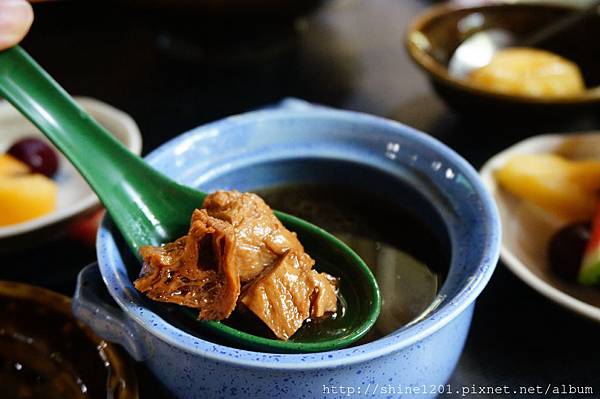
(26, 197)
(565, 188)
(589, 273)
(586, 174)
(529, 72)
(11, 166)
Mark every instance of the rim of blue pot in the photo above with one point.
(125, 295)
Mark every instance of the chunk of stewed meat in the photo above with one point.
(287, 293)
(197, 270)
(261, 238)
(236, 241)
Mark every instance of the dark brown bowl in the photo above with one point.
(46, 353)
(434, 36)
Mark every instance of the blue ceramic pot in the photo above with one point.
(300, 143)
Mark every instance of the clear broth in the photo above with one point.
(407, 259)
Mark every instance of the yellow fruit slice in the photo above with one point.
(567, 189)
(587, 175)
(10, 166)
(529, 72)
(26, 197)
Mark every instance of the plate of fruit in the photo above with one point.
(41, 193)
(547, 189)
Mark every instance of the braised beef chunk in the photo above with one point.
(288, 293)
(261, 238)
(237, 240)
(197, 270)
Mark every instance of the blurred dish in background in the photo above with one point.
(46, 354)
(434, 36)
(74, 198)
(528, 229)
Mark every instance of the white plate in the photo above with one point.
(75, 198)
(527, 230)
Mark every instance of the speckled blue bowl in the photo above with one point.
(303, 143)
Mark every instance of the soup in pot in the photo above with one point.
(408, 260)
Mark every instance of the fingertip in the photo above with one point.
(16, 17)
(29, 16)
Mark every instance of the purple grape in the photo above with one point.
(566, 248)
(38, 155)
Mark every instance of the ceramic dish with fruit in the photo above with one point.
(41, 193)
(548, 192)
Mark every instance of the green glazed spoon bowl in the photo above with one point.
(150, 209)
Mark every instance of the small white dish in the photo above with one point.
(75, 198)
(527, 230)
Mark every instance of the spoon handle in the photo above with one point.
(548, 32)
(128, 188)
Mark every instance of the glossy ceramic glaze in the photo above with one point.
(300, 143)
(434, 36)
(529, 230)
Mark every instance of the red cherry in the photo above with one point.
(38, 155)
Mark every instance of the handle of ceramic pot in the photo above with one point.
(93, 306)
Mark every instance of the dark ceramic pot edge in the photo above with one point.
(405, 337)
(122, 372)
(439, 73)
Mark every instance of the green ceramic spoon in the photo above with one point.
(149, 208)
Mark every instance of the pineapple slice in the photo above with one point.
(10, 166)
(565, 188)
(24, 197)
